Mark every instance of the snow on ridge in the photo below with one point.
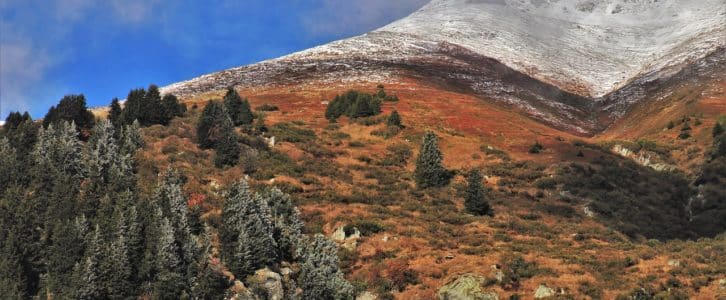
(587, 47)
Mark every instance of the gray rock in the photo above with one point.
(366, 296)
(674, 263)
(543, 292)
(268, 281)
(466, 287)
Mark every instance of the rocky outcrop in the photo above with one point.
(543, 291)
(269, 282)
(643, 158)
(466, 287)
(347, 239)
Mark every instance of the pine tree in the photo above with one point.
(13, 283)
(239, 109)
(88, 279)
(475, 200)
(8, 164)
(133, 107)
(394, 119)
(172, 108)
(717, 129)
(114, 114)
(131, 139)
(209, 283)
(227, 150)
(320, 277)
(152, 111)
(116, 267)
(72, 108)
(429, 169)
(209, 125)
(169, 281)
(170, 195)
(233, 211)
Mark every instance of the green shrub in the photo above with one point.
(291, 133)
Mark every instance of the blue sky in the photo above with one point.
(50, 48)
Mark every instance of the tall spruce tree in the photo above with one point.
(227, 150)
(209, 125)
(8, 163)
(89, 273)
(429, 169)
(394, 119)
(238, 109)
(134, 105)
(169, 281)
(320, 276)
(72, 108)
(475, 200)
(114, 114)
(172, 108)
(13, 284)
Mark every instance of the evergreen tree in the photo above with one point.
(210, 282)
(233, 210)
(152, 111)
(131, 139)
(172, 108)
(320, 277)
(88, 279)
(429, 169)
(14, 120)
(117, 265)
(72, 108)
(227, 150)
(12, 278)
(169, 281)
(133, 107)
(169, 195)
(717, 129)
(394, 119)
(64, 252)
(210, 125)
(238, 109)
(114, 114)
(8, 164)
(475, 200)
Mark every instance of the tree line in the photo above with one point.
(74, 223)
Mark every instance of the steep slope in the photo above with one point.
(574, 65)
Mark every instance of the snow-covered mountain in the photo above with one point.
(576, 64)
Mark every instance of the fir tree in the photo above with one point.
(12, 277)
(172, 108)
(116, 265)
(209, 125)
(238, 109)
(233, 211)
(475, 200)
(131, 139)
(320, 277)
(227, 150)
(717, 129)
(152, 111)
(169, 194)
(72, 108)
(114, 114)
(88, 280)
(210, 282)
(133, 107)
(429, 169)
(8, 164)
(394, 119)
(169, 281)
(15, 119)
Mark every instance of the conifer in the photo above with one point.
(429, 169)
(475, 200)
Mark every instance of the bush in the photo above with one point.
(546, 183)
(536, 148)
(267, 107)
(291, 133)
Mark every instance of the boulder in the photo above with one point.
(268, 281)
(674, 263)
(543, 292)
(366, 296)
(347, 240)
(466, 287)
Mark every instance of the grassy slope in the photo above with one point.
(336, 184)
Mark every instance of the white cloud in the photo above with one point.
(335, 17)
(22, 66)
